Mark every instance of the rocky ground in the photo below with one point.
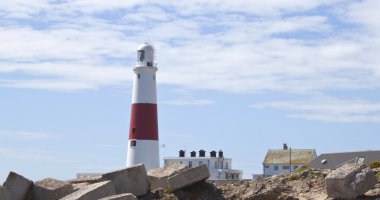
(309, 184)
(181, 182)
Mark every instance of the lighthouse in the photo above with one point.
(143, 144)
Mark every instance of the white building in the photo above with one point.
(286, 160)
(220, 168)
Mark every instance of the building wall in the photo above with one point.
(274, 169)
(219, 168)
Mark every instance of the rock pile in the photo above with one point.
(125, 184)
(179, 182)
(350, 181)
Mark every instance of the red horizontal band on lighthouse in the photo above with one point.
(144, 122)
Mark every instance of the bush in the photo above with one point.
(374, 164)
(301, 169)
(292, 177)
(168, 191)
(378, 175)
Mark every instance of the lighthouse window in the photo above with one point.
(133, 143)
(149, 64)
(154, 77)
(133, 130)
(141, 55)
(138, 76)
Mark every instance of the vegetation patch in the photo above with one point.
(378, 175)
(374, 164)
(292, 177)
(168, 191)
(301, 169)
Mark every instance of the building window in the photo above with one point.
(285, 167)
(267, 166)
(295, 166)
(275, 167)
(133, 130)
(141, 55)
(200, 162)
(133, 143)
(226, 165)
(216, 165)
(360, 160)
(190, 164)
(180, 162)
(138, 76)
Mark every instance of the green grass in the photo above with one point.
(292, 177)
(168, 191)
(301, 169)
(374, 164)
(378, 175)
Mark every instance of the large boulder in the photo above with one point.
(129, 180)
(188, 177)
(92, 192)
(4, 195)
(350, 181)
(19, 187)
(158, 178)
(51, 189)
(125, 196)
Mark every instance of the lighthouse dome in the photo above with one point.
(145, 55)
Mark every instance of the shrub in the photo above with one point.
(292, 177)
(378, 175)
(301, 169)
(374, 164)
(168, 191)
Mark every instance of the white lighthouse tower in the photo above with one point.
(143, 144)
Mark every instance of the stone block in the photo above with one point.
(350, 181)
(188, 177)
(125, 196)
(51, 189)
(4, 195)
(92, 192)
(129, 180)
(19, 187)
(158, 178)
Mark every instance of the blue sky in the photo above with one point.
(241, 76)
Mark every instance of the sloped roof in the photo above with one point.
(298, 156)
(335, 160)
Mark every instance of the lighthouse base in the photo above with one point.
(143, 151)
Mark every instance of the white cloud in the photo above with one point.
(27, 135)
(176, 135)
(229, 46)
(327, 109)
(31, 155)
(189, 102)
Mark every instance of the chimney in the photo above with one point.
(213, 154)
(220, 154)
(284, 146)
(193, 154)
(202, 153)
(181, 153)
